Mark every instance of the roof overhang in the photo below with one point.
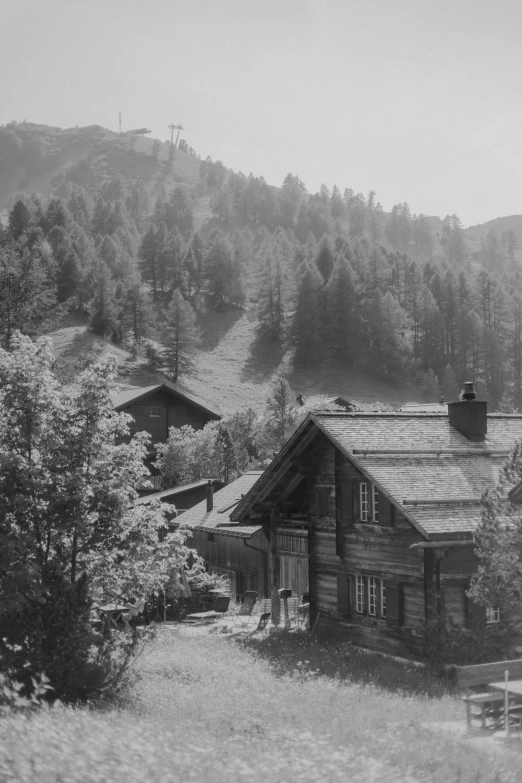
(169, 390)
(274, 472)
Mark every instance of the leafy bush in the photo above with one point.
(446, 644)
(54, 643)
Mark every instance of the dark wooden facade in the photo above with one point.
(244, 561)
(155, 409)
(366, 575)
(239, 552)
(380, 565)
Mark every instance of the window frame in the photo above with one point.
(492, 615)
(363, 501)
(359, 594)
(375, 504)
(370, 596)
(152, 415)
(373, 591)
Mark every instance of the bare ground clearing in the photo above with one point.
(233, 368)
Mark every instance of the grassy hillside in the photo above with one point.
(233, 370)
(209, 710)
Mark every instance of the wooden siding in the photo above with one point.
(231, 553)
(171, 414)
(343, 547)
(407, 586)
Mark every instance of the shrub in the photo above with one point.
(446, 644)
(55, 641)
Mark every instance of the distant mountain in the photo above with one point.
(44, 159)
(499, 225)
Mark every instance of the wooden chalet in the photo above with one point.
(380, 508)
(240, 552)
(157, 408)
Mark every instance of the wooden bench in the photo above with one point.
(488, 707)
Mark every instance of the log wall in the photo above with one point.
(247, 567)
(343, 547)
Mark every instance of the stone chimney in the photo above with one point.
(210, 496)
(469, 416)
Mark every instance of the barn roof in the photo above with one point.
(172, 492)
(225, 500)
(419, 461)
(125, 397)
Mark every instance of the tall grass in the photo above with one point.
(332, 656)
(208, 709)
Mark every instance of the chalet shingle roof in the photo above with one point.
(121, 399)
(431, 431)
(415, 457)
(439, 521)
(433, 475)
(225, 501)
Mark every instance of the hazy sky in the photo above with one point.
(419, 100)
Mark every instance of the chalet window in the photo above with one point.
(492, 614)
(363, 499)
(154, 413)
(375, 504)
(370, 596)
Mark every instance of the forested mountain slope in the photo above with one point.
(220, 280)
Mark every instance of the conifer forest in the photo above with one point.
(331, 276)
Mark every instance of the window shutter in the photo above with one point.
(385, 512)
(323, 501)
(394, 603)
(344, 513)
(343, 595)
(356, 502)
(346, 503)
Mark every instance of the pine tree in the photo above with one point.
(279, 419)
(343, 332)
(181, 337)
(449, 387)
(105, 311)
(137, 313)
(272, 291)
(148, 254)
(197, 248)
(19, 218)
(178, 212)
(223, 270)
(325, 259)
(27, 294)
(306, 324)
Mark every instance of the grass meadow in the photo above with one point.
(288, 708)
